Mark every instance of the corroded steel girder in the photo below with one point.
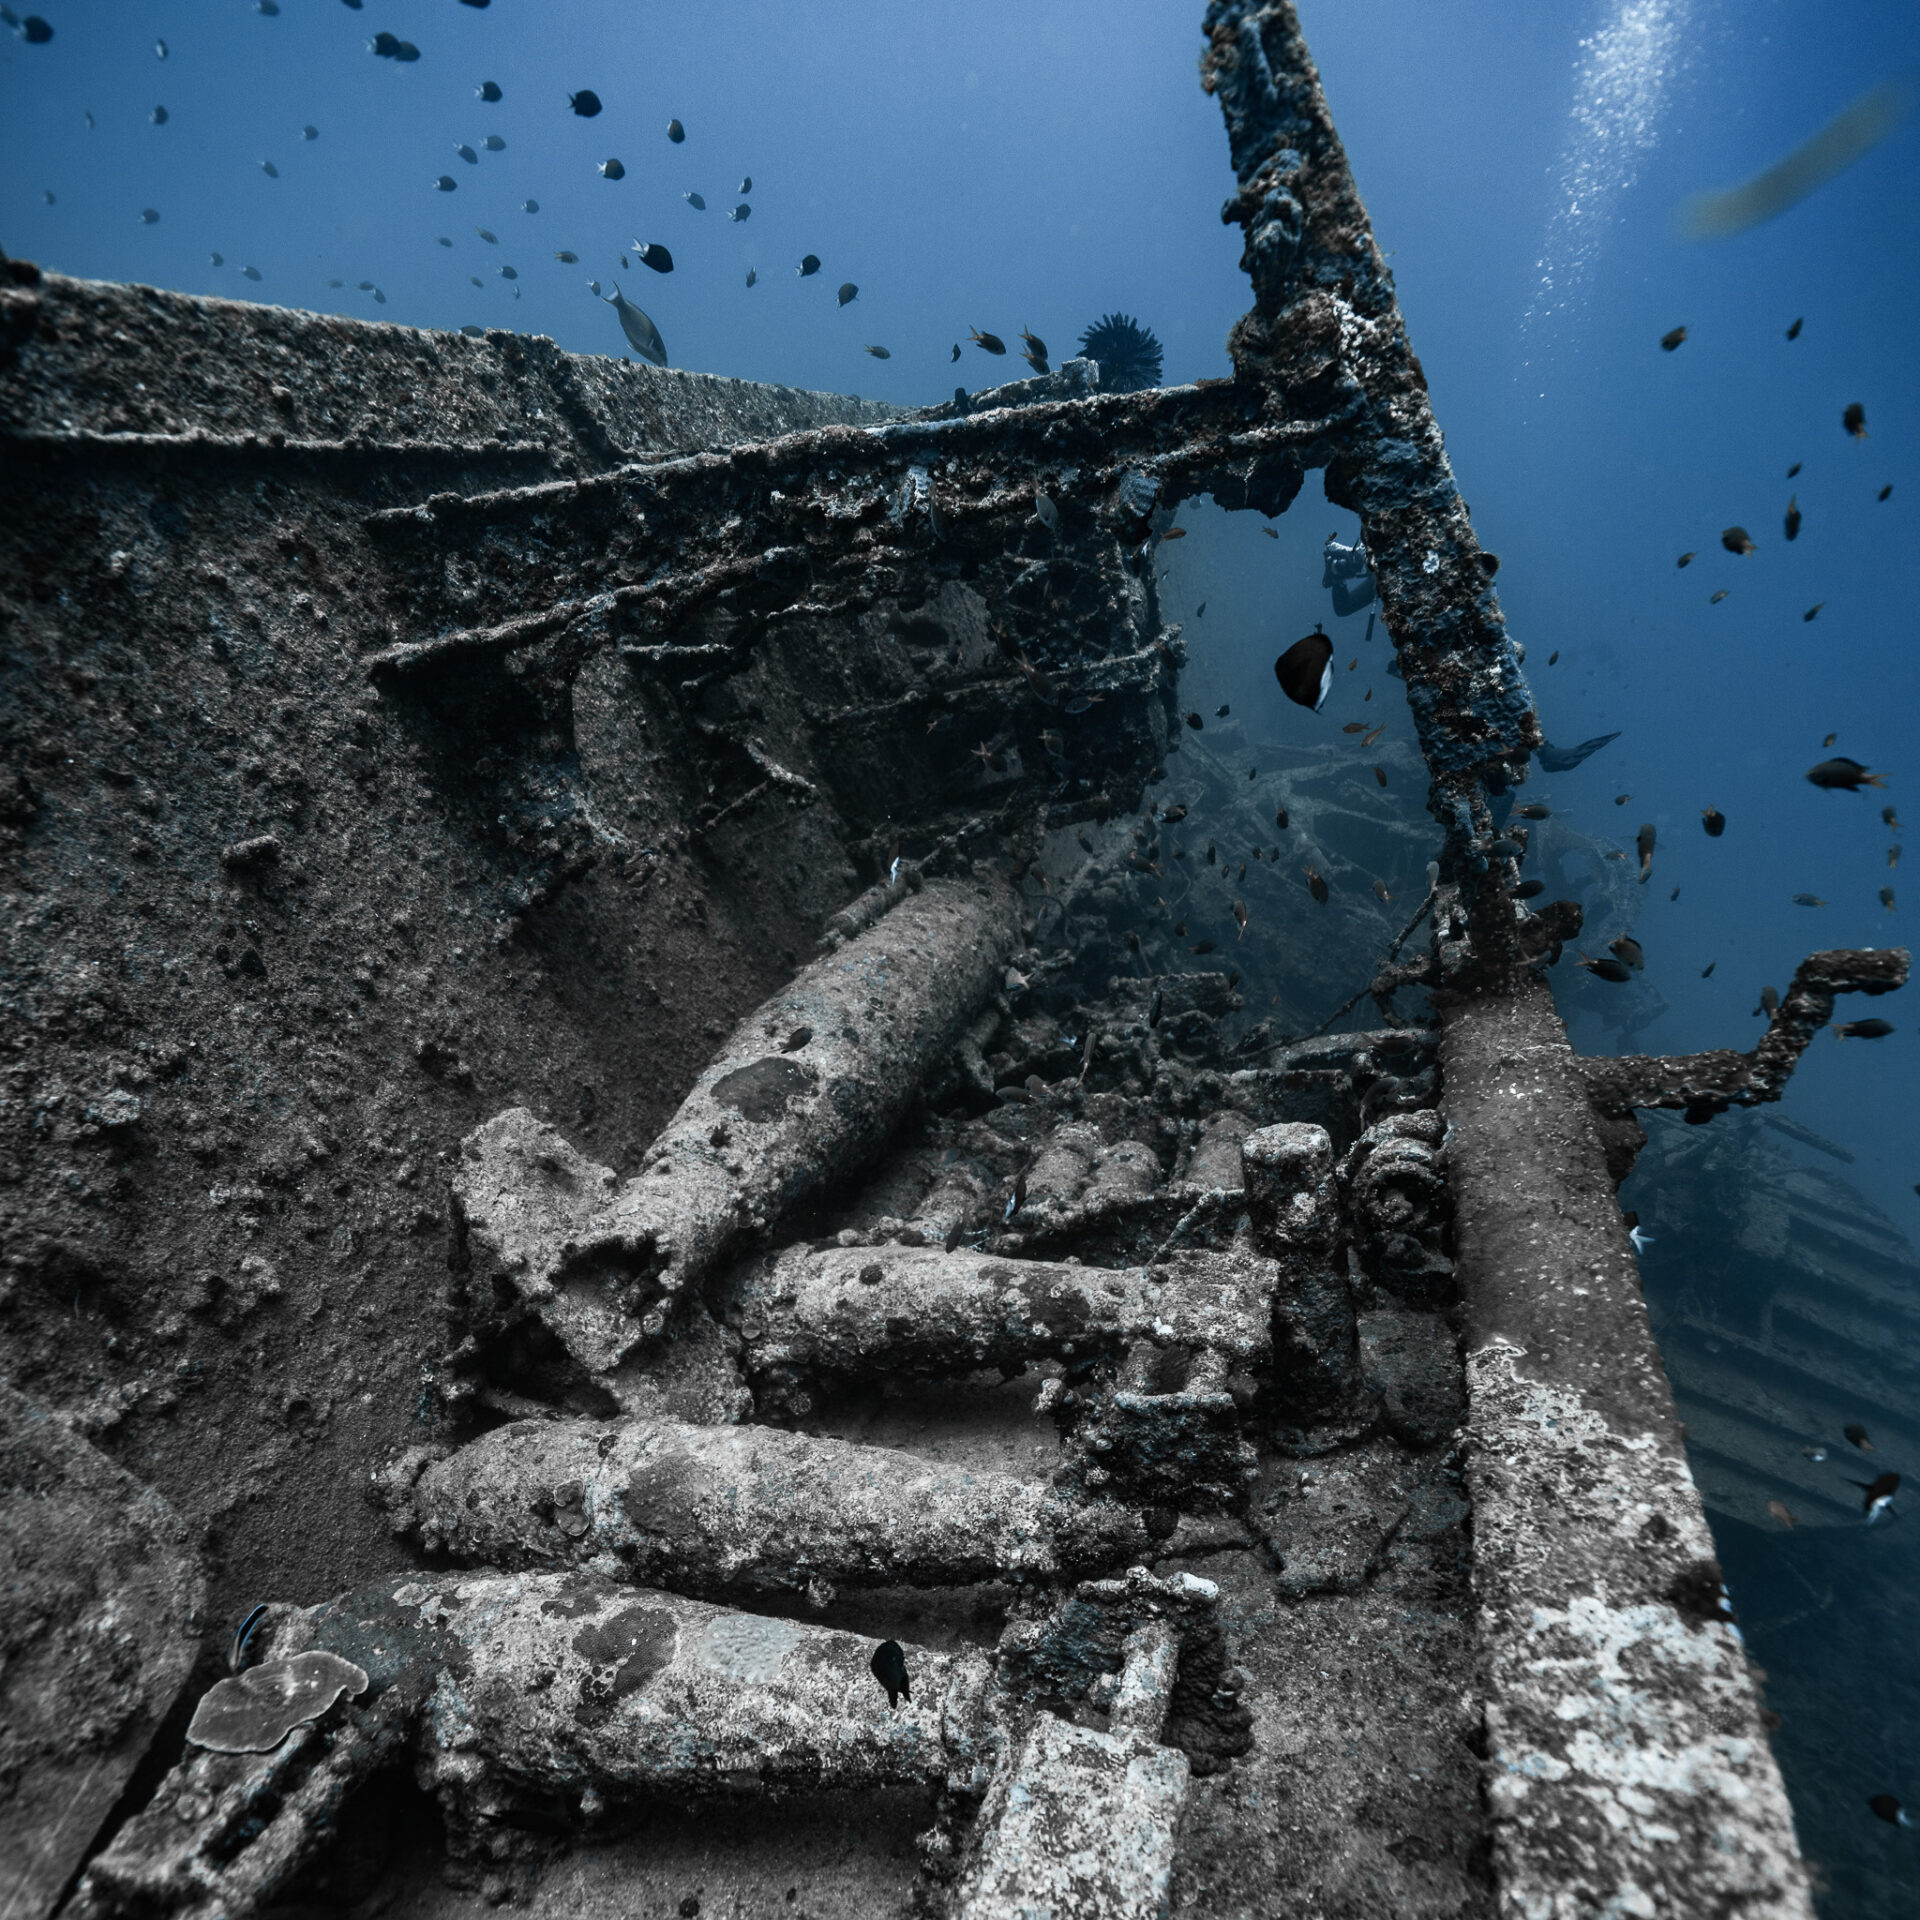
(1708, 1083)
(1627, 1766)
(832, 519)
(1325, 342)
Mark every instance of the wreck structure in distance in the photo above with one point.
(1339, 1347)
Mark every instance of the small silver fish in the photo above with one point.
(1045, 510)
(642, 334)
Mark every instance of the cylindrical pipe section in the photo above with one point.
(573, 1683)
(805, 1092)
(1584, 1511)
(847, 1313)
(751, 1510)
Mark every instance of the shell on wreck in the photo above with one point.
(914, 494)
(254, 1711)
(1136, 494)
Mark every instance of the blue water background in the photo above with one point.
(997, 166)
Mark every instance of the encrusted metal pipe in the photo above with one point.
(1708, 1083)
(807, 1090)
(748, 1511)
(850, 1313)
(543, 1703)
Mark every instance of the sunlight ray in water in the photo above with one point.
(1623, 86)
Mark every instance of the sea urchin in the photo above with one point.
(1128, 354)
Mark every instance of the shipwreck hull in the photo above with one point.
(422, 754)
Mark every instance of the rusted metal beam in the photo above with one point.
(1708, 1083)
(1325, 341)
(277, 448)
(1627, 1767)
(1197, 436)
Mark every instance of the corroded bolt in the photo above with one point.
(1294, 1208)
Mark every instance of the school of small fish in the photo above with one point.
(584, 103)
